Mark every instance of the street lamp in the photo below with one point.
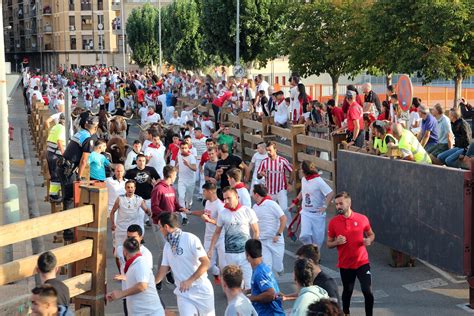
(159, 33)
(238, 69)
(101, 38)
(122, 25)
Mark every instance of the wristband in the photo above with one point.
(296, 201)
(278, 234)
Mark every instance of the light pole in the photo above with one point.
(159, 33)
(238, 70)
(101, 39)
(122, 25)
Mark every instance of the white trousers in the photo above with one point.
(240, 260)
(273, 253)
(313, 228)
(198, 300)
(282, 199)
(185, 192)
(215, 268)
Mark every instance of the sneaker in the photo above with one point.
(170, 278)
(217, 280)
(159, 286)
(148, 223)
(185, 221)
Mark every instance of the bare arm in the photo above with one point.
(426, 137)
(112, 213)
(255, 230)
(216, 235)
(161, 273)
(145, 208)
(356, 131)
(61, 146)
(185, 285)
(370, 237)
(83, 163)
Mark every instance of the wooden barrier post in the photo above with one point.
(243, 143)
(267, 121)
(336, 140)
(97, 231)
(296, 148)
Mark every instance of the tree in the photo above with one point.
(321, 37)
(142, 35)
(184, 39)
(258, 27)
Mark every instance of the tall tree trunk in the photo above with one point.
(457, 88)
(335, 88)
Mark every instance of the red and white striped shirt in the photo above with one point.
(275, 175)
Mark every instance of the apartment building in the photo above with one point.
(51, 33)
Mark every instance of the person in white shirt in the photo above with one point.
(162, 99)
(115, 185)
(236, 221)
(315, 197)
(176, 120)
(294, 101)
(140, 291)
(133, 231)
(151, 116)
(271, 222)
(128, 208)
(199, 142)
(142, 112)
(36, 96)
(281, 114)
(207, 126)
(237, 303)
(186, 164)
(209, 215)
(155, 153)
(130, 162)
(187, 114)
(185, 256)
(234, 176)
(257, 159)
(111, 94)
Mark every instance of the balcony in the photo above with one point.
(48, 46)
(48, 29)
(116, 6)
(47, 10)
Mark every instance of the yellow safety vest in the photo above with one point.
(381, 145)
(58, 132)
(409, 142)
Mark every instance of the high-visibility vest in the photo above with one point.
(409, 142)
(58, 132)
(381, 145)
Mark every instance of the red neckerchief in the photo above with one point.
(150, 114)
(239, 185)
(311, 177)
(268, 197)
(154, 146)
(186, 154)
(413, 109)
(227, 206)
(130, 261)
(202, 136)
(190, 146)
(205, 119)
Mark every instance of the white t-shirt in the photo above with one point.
(240, 305)
(115, 188)
(186, 116)
(200, 145)
(212, 209)
(128, 212)
(55, 117)
(281, 114)
(131, 158)
(257, 159)
(244, 197)
(268, 214)
(206, 127)
(414, 117)
(154, 118)
(263, 86)
(146, 254)
(236, 227)
(184, 172)
(162, 99)
(313, 193)
(143, 112)
(146, 302)
(157, 158)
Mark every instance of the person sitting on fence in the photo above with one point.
(383, 139)
(428, 136)
(445, 134)
(409, 146)
(462, 139)
(98, 162)
(46, 265)
(465, 161)
(281, 114)
(44, 301)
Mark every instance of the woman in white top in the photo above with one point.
(249, 95)
(294, 101)
(128, 207)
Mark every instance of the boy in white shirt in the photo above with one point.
(151, 116)
(186, 164)
(207, 125)
(155, 152)
(234, 177)
(257, 159)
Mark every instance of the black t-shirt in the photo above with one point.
(62, 289)
(81, 142)
(226, 164)
(327, 283)
(143, 179)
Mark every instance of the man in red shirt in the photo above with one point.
(336, 112)
(173, 150)
(355, 120)
(351, 233)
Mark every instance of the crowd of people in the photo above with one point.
(245, 205)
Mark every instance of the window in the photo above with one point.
(86, 5)
(283, 80)
(71, 5)
(87, 42)
(86, 23)
(72, 39)
(72, 23)
(276, 79)
(100, 5)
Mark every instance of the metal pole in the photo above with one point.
(10, 202)
(159, 34)
(67, 115)
(122, 25)
(237, 36)
(102, 49)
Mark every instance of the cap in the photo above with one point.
(62, 117)
(278, 93)
(351, 94)
(92, 120)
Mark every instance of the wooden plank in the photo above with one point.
(233, 118)
(235, 131)
(319, 143)
(44, 225)
(280, 131)
(83, 311)
(26, 267)
(254, 139)
(249, 151)
(79, 284)
(285, 149)
(320, 163)
(252, 124)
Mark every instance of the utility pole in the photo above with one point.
(122, 25)
(159, 34)
(10, 203)
(237, 36)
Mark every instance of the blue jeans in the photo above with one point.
(451, 156)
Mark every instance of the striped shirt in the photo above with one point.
(275, 175)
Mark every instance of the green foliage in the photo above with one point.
(142, 35)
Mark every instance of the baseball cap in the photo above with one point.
(351, 94)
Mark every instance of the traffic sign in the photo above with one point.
(404, 92)
(239, 71)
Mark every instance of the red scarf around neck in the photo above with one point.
(265, 198)
(311, 177)
(205, 119)
(185, 154)
(202, 136)
(227, 206)
(153, 146)
(130, 261)
(150, 114)
(239, 185)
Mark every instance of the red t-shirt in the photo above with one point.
(141, 95)
(204, 158)
(221, 99)
(355, 113)
(339, 114)
(345, 104)
(174, 148)
(353, 254)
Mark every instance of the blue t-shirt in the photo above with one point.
(262, 280)
(430, 124)
(97, 163)
(168, 98)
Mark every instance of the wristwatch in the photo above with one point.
(278, 234)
